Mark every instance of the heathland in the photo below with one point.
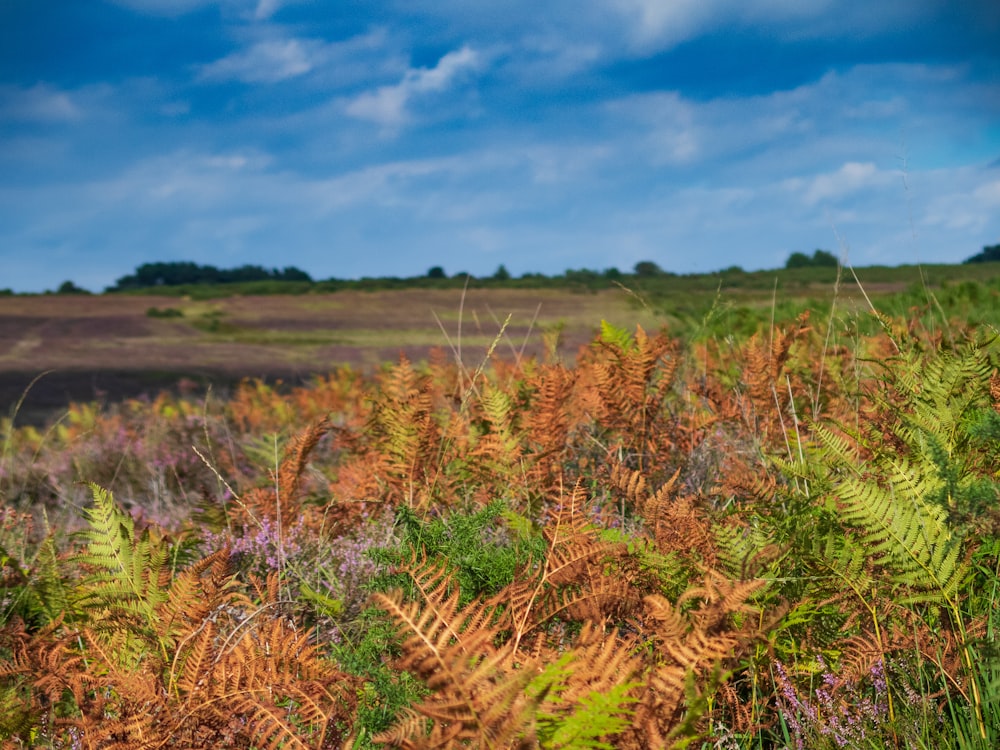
(119, 345)
(731, 511)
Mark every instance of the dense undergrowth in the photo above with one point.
(788, 539)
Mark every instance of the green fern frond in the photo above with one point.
(127, 581)
(836, 449)
(739, 546)
(50, 585)
(15, 715)
(906, 535)
(498, 408)
(110, 538)
(846, 561)
(598, 715)
(618, 337)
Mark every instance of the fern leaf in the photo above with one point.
(598, 715)
(906, 535)
(618, 337)
(127, 572)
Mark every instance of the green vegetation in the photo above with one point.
(68, 287)
(776, 523)
(647, 277)
(166, 312)
(779, 529)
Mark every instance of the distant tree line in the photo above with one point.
(185, 273)
(990, 254)
(150, 276)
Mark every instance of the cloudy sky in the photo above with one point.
(382, 138)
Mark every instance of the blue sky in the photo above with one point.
(362, 138)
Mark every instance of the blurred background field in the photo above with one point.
(81, 347)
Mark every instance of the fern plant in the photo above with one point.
(894, 499)
(147, 657)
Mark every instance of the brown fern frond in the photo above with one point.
(474, 700)
(603, 597)
(195, 660)
(721, 597)
(548, 421)
(277, 681)
(48, 660)
(403, 428)
(692, 646)
(625, 387)
(630, 482)
(746, 480)
(762, 368)
(195, 593)
(678, 524)
(295, 459)
(283, 493)
(600, 660)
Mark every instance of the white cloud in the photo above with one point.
(669, 123)
(547, 58)
(351, 62)
(265, 62)
(868, 114)
(266, 8)
(40, 103)
(852, 177)
(970, 209)
(988, 194)
(387, 105)
(666, 23)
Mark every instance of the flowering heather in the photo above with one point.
(837, 713)
(336, 566)
(260, 549)
(350, 562)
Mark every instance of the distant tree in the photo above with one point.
(436, 272)
(647, 268)
(501, 274)
(612, 273)
(733, 269)
(68, 287)
(798, 260)
(825, 258)
(990, 254)
(291, 273)
(820, 258)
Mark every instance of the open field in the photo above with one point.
(109, 347)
